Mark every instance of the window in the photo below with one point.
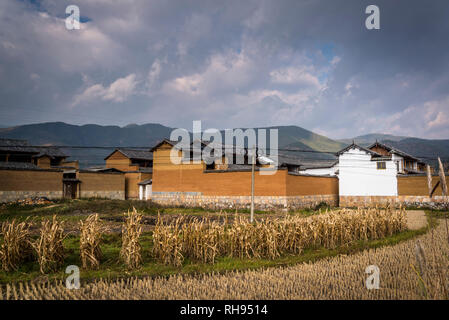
(381, 165)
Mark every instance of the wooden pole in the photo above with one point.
(253, 163)
(429, 181)
(444, 192)
(442, 178)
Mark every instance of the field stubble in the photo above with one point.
(410, 270)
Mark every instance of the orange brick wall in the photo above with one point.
(417, 186)
(93, 181)
(30, 180)
(22, 184)
(307, 185)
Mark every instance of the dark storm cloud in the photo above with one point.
(229, 63)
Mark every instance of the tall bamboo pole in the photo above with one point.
(253, 163)
(444, 192)
(429, 181)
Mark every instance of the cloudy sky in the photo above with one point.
(229, 63)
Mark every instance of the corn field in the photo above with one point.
(409, 270)
(204, 240)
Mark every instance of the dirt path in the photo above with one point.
(416, 219)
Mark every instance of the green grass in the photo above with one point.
(112, 268)
(75, 210)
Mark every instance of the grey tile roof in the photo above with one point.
(18, 165)
(353, 145)
(50, 151)
(134, 154)
(144, 182)
(318, 164)
(22, 146)
(16, 145)
(393, 150)
(23, 166)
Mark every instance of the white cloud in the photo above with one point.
(296, 75)
(118, 91)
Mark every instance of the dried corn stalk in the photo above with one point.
(16, 247)
(90, 239)
(49, 247)
(131, 248)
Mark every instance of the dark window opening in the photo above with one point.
(381, 165)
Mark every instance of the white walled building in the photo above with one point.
(405, 163)
(363, 172)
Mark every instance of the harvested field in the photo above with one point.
(407, 271)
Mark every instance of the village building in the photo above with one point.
(180, 181)
(405, 163)
(137, 166)
(380, 174)
(27, 171)
(16, 150)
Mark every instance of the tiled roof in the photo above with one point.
(134, 154)
(144, 182)
(16, 145)
(50, 151)
(18, 165)
(22, 166)
(392, 150)
(318, 164)
(355, 146)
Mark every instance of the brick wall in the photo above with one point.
(21, 184)
(311, 185)
(102, 185)
(417, 185)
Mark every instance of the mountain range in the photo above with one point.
(147, 135)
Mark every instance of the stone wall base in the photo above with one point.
(116, 195)
(195, 199)
(436, 202)
(9, 196)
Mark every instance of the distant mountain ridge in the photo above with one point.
(370, 138)
(145, 135)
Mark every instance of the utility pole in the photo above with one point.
(253, 163)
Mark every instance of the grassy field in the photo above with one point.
(340, 277)
(78, 208)
(111, 268)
